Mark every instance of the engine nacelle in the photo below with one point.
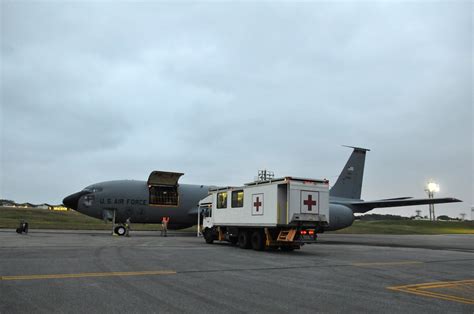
(340, 217)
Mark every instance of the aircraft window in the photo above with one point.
(164, 195)
(222, 200)
(238, 198)
(93, 189)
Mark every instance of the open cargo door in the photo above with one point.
(163, 187)
(164, 178)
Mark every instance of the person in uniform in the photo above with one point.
(127, 227)
(23, 227)
(164, 225)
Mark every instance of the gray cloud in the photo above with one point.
(99, 91)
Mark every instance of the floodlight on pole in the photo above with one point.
(431, 188)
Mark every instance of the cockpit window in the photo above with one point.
(93, 189)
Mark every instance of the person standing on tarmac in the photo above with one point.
(127, 227)
(23, 227)
(164, 225)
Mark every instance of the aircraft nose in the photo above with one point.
(72, 200)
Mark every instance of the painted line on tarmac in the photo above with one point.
(85, 275)
(387, 263)
(422, 290)
(172, 272)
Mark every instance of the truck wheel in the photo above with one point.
(244, 241)
(120, 230)
(208, 236)
(257, 241)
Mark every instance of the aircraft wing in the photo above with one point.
(362, 207)
(396, 198)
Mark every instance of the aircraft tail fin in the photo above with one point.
(349, 182)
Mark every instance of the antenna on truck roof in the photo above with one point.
(264, 175)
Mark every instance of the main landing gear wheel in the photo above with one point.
(120, 230)
(244, 240)
(257, 241)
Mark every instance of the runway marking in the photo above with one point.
(387, 263)
(461, 286)
(84, 275)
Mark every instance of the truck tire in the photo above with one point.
(244, 239)
(208, 236)
(258, 243)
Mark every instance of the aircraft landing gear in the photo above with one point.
(120, 230)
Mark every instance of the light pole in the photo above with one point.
(431, 188)
(418, 213)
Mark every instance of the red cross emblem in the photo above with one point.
(257, 204)
(309, 202)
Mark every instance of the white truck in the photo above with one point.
(280, 213)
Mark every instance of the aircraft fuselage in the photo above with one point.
(130, 199)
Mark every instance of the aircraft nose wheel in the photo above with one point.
(120, 230)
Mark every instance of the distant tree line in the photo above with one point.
(367, 217)
(444, 217)
(371, 217)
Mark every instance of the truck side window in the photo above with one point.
(238, 198)
(222, 200)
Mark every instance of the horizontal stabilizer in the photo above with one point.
(362, 207)
(357, 148)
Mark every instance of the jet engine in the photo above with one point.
(340, 217)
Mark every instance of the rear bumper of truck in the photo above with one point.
(309, 218)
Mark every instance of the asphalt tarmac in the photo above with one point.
(50, 271)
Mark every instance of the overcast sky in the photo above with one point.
(97, 91)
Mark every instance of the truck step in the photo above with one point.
(287, 235)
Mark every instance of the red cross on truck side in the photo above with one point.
(309, 202)
(257, 204)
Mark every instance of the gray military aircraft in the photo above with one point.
(161, 195)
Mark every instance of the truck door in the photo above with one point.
(207, 222)
(205, 207)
